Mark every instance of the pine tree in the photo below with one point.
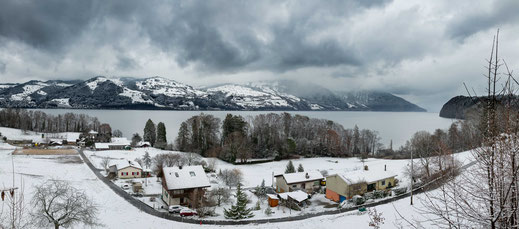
(182, 140)
(146, 159)
(290, 168)
(150, 132)
(300, 168)
(161, 136)
(240, 210)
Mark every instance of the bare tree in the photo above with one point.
(59, 204)
(486, 195)
(230, 177)
(220, 195)
(105, 163)
(117, 133)
(13, 210)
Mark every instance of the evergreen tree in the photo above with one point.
(231, 124)
(300, 168)
(161, 136)
(150, 132)
(146, 159)
(261, 191)
(239, 210)
(290, 168)
(182, 140)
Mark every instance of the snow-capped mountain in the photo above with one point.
(161, 93)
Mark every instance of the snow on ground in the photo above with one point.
(93, 84)
(136, 96)
(27, 90)
(115, 212)
(171, 88)
(253, 174)
(249, 97)
(62, 102)
(17, 134)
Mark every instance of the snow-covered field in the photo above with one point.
(115, 212)
(17, 134)
(253, 174)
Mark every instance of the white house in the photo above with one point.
(306, 181)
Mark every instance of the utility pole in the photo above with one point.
(412, 177)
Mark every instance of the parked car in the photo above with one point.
(152, 199)
(174, 209)
(137, 194)
(187, 212)
(125, 187)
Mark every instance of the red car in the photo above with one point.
(187, 212)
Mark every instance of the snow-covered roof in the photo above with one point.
(368, 176)
(187, 177)
(120, 141)
(102, 145)
(56, 140)
(143, 143)
(296, 195)
(115, 142)
(121, 164)
(300, 177)
(272, 196)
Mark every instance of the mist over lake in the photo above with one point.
(396, 126)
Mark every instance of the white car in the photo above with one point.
(175, 209)
(125, 187)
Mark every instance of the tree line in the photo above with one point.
(41, 122)
(273, 135)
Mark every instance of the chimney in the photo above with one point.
(366, 167)
(307, 176)
(384, 167)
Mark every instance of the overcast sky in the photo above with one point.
(421, 50)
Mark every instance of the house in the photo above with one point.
(306, 181)
(297, 197)
(126, 169)
(92, 134)
(143, 144)
(344, 185)
(184, 185)
(115, 144)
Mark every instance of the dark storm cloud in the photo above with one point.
(3, 66)
(495, 15)
(46, 25)
(213, 35)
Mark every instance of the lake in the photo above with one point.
(396, 126)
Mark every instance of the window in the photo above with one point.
(383, 182)
(294, 186)
(126, 173)
(176, 192)
(192, 173)
(137, 173)
(133, 173)
(122, 173)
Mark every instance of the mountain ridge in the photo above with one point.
(160, 93)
